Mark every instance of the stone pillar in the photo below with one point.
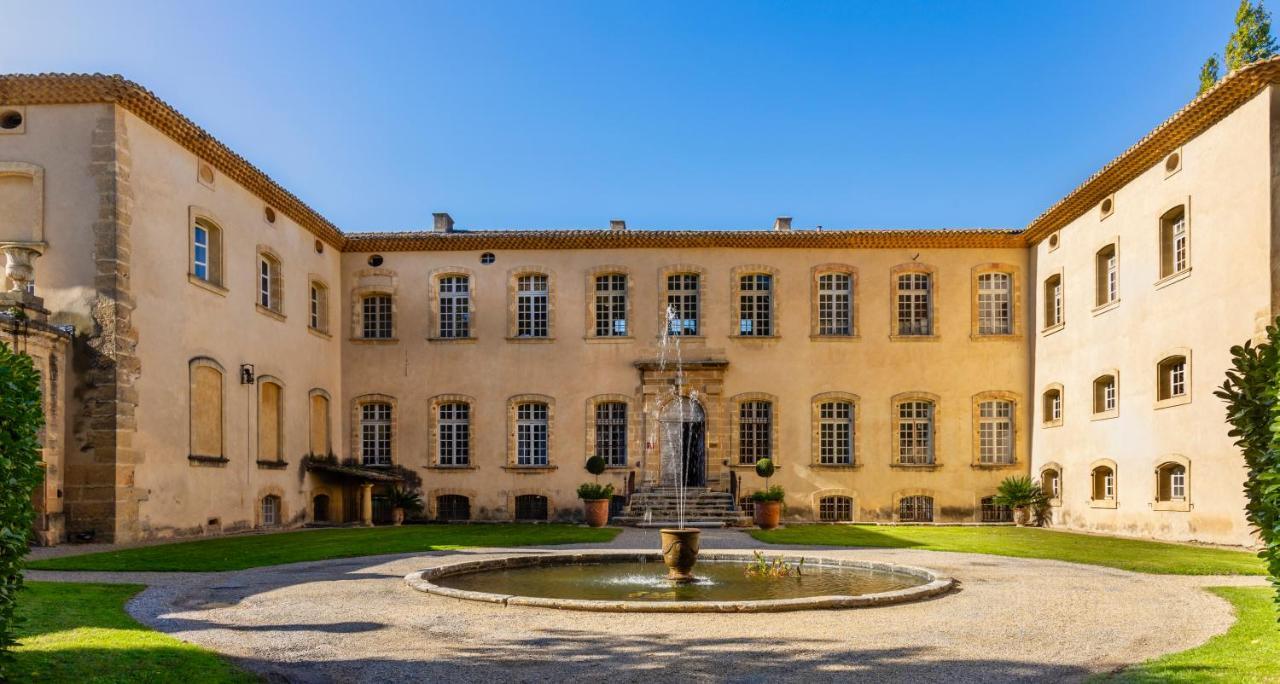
(366, 504)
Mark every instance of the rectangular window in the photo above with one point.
(531, 306)
(376, 319)
(455, 434)
(995, 432)
(611, 305)
(995, 308)
(1107, 266)
(1055, 406)
(915, 509)
(1174, 247)
(455, 307)
(1178, 378)
(835, 509)
(915, 433)
(264, 283)
(914, 304)
(835, 304)
(755, 305)
(755, 431)
(1178, 484)
(531, 434)
(1053, 301)
(1179, 228)
(835, 433)
(1109, 396)
(315, 308)
(375, 434)
(611, 432)
(200, 254)
(682, 304)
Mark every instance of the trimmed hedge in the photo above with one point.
(21, 418)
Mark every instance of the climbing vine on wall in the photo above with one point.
(1252, 393)
(21, 419)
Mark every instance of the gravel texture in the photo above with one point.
(356, 620)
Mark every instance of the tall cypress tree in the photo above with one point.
(1250, 42)
(1209, 74)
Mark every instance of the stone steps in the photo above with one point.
(702, 508)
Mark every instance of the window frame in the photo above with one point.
(1110, 484)
(261, 388)
(898, 421)
(515, 433)
(540, 304)
(1013, 304)
(358, 432)
(1055, 393)
(818, 330)
(594, 297)
(737, 428)
(1098, 402)
(211, 364)
(214, 279)
(1167, 240)
(754, 298)
(318, 306)
(269, 283)
(1168, 464)
(688, 299)
(918, 503)
(1166, 379)
(819, 437)
(914, 271)
(996, 401)
(1053, 303)
(829, 507)
(1054, 491)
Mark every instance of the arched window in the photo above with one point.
(1051, 411)
(270, 510)
(1173, 377)
(453, 507)
(376, 322)
(1107, 271)
(531, 507)
(1053, 310)
(1104, 483)
(206, 409)
(915, 509)
(995, 513)
(270, 420)
(1171, 482)
(1051, 483)
(1175, 247)
(915, 432)
(1105, 394)
(835, 509)
(206, 251)
(320, 443)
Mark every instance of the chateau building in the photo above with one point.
(217, 356)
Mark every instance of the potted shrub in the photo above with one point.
(404, 501)
(1022, 494)
(595, 499)
(769, 506)
(765, 469)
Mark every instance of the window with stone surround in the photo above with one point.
(270, 420)
(995, 304)
(319, 440)
(1173, 379)
(1171, 482)
(992, 512)
(610, 305)
(1104, 483)
(375, 433)
(531, 507)
(835, 432)
(1107, 274)
(835, 509)
(454, 292)
(1053, 304)
(270, 283)
(206, 251)
(453, 507)
(995, 419)
(454, 433)
(914, 429)
(1175, 252)
(915, 509)
(206, 409)
(833, 300)
(531, 434)
(683, 306)
(270, 510)
(611, 432)
(318, 314)
(755, 431)
(532, 297)
(1105, 395)
(914, 291)
(1051, 483)
(755, 305)
(376, 322)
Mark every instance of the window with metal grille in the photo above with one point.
(915, 509)
(914, 290)
(755, 305)
(531, 306)
(531, 434)
(755, 429)
(611, 305)
(453, 507)
(915, 433)
(1104, 483)
(531, 507)
(455, 307)
(1104, 394)
(270, 510)
(682, 304)
(1108, 273)
(455, 433)
(1175, 254)
(835, 433)
(995, 432)
(835, 509)
(1173, 377)
(995, 297)
(375, 434)
(835, 304)
(376, 317)
(611, 432)
(995, 513)
(1053, 301)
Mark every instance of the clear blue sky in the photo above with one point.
(669, 115)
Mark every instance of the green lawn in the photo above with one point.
(80, 633)
(1029, 542)
(252, 551)
(1248, 652)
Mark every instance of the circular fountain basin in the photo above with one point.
(635, 581)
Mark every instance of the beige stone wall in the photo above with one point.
(1222, 178)
(574, 366)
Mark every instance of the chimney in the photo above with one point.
(444, 223)
(617, 225)
(782, 223)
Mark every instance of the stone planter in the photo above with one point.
(397, 516)
(1021, 516)
(680, 552)
(597, 512)
(768, 514)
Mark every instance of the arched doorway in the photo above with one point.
(683, 429)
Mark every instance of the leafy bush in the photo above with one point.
(596, 465)
(408, 499)
(1252, 393)
(20, 421)
(594, 491)
(759, 566)
(1020, 491)
(774, 493)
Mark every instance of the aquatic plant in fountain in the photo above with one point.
(777, 567)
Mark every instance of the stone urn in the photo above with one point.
(397, 516)
(768, 514)
(597, 511)
(1021, 516)
(680, 552)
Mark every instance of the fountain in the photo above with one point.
(679, 545)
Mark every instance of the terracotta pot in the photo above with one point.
(1021, 516)
(680, 552)
(597, 511)
(397, 516)
(768, 514)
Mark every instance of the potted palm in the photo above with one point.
(595, 496)
(768, 502)
(1022, 494)
(403, 501)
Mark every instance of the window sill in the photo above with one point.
(834, 466)
(319, 333)
(1106, 415)
(819, 337)
(463, 468)
(915, 338)
(750, 466)
(532, 340)
(269, 313)
(206, 285)
(1173, 278)
(995, 466)
(453, 340)
(529, 469)
(1053, 328)
(1103, 503)
(915, 466)
(208, 461)
(762, 338)
(1172, 401)
(1052, 424)
(608, 339)
(374, 340)
(995, 337)
(1103, 308)
(273, 465)
(1177, 506)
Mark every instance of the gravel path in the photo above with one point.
(355, 620)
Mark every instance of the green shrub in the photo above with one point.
(774, 493)
(408, 499)
(596, 465)
(594, 491)
(1020, 491)
(1252, 393)
(20, 422)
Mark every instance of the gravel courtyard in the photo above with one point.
(356, 620)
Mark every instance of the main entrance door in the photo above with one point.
(684, 443)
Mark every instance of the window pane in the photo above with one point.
(913, 304)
